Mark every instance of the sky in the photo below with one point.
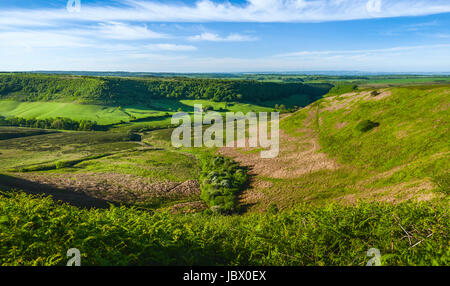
(225, 36)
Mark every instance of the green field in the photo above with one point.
(158, 115)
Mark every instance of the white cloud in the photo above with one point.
(170, 47)
(251, 11)
(360, 52)
(441, 36)
(41, 39)
(206, 36)
(121, 31)
(373, 6)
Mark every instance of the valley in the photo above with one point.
(360, 164)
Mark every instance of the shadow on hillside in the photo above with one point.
(73, 198)
(244, 207)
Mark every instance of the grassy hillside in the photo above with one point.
(373, 145)
(412, 127)
(103, 115)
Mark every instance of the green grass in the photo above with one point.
(155, 115)
(294, 123)
(341, 88)
(404, 158)
(45, 149)
(36, 231)
(103, 115)
(413, 123)
(159, 165)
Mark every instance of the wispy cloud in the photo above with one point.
(250, 11)
(121, 31)
(441, 36)
(212, 37)
(360, 52)
(41, 39)
(171, 47)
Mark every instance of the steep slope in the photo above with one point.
(374, 145)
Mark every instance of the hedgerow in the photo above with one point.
(60, 123)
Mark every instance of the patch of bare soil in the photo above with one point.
(341, 125)
(121, 188)
(297, 156)
(382, 95)
(345, 101)
(417, 190)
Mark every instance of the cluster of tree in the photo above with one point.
(221, 180)
(342, 89)
(117, 90)
(50, 123)
(30, 87)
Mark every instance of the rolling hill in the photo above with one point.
(374, 145)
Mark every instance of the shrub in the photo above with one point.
(134, 137)
(62, 164)
(374, 93)
(367, 125)
(221, 179)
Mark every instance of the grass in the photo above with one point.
(413, 123)
(294, 123)
(103, 115)
(10, 133)
(159, 165)
(400, 153)
(155, 115)
(36, 231)
(103, 152)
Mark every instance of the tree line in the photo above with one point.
(121, 90)
(60, 123)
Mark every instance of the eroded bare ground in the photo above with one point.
(345, 100)
(297, 156)
(300, 156)
(118, 188)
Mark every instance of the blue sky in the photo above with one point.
(226, 36)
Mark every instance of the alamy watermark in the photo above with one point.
(376, 257)
(233, 130)
(75, 257)
(74, 6)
